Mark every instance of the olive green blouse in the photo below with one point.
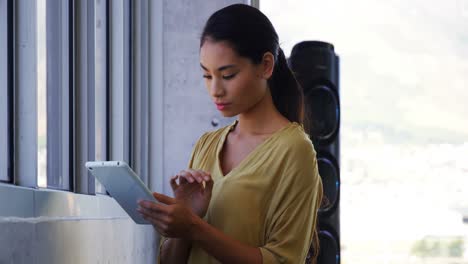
(269, 200)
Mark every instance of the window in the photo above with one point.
(140, 98)
(404, 130)
(41, 100)
(91, 92)
(29, 75)
(54, 93)
(59, 94)
(119, 80)
(72, 92)
(101, 94)
(5, 88)
(73, 97)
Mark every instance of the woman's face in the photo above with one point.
(231, 79)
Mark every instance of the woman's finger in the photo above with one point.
(182, 180)
(160, 217)
(158, 224)
(197, 174)
(188, 176)
(206, 176)
(163, 199)
(155, 207)
(209, 186)
(173, 182)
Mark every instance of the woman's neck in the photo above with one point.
(262, 119)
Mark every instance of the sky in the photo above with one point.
(404, 64)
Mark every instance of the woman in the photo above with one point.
(252, 189)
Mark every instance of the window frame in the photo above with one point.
(140, 99)
(101, 87)
(25, 138)
(83, 99)
(119, 79)
(6, 79)
(156, 179)
(11, 85)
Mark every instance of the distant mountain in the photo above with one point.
(410, 135)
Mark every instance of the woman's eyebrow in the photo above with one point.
(222, 68)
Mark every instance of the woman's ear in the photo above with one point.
(268, 64)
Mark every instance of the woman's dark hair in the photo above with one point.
(250, 33)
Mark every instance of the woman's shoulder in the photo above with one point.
(296, 141)
(298, 158)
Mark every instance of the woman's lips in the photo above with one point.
(221, 106)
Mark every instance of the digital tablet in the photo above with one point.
(123, 185)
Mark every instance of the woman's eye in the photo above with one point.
(228, 77)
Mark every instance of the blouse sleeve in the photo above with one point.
(195, 150)
(293, 210)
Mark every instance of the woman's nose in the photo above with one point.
(216, 88)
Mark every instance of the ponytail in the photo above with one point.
(286, 92)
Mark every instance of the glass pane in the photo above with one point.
(41, 94)
(4, 89)
(100, 85)
(58, 91)
(404, 129)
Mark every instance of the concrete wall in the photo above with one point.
(47, 226)
(43, 226)
(76, 241)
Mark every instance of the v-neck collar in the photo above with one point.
(251, 153)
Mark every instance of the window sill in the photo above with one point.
(27, 204)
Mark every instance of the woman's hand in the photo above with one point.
(170, 217)
(194, 190)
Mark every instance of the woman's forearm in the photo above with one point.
(175, 250)
(222, 247)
